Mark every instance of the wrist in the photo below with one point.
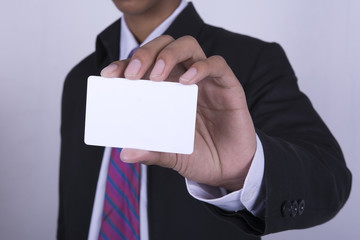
(236, 183)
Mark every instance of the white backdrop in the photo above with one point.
(41, 40)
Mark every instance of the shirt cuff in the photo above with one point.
(237, 200)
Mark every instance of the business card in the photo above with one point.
(141, 114)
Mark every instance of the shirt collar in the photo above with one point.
(128, 41)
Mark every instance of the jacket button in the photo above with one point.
(294, 208)
(301, 207)
(286, 209)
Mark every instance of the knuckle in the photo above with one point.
(201, 65)
(217, 59)
(167, 38)
(190, 39)
(114, 63)
(142, 52)
(167, 53)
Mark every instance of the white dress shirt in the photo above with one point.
(235, 201)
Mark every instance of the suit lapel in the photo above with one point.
(107, 45)
(188, 22)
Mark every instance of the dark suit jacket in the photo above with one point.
(303, 162)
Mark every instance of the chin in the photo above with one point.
(134, 6)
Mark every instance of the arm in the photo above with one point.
(303, 162)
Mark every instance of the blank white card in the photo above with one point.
(141, 114)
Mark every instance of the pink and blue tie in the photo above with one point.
(120, 218)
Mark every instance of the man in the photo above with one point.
(257, 136)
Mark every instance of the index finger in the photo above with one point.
(184, 50)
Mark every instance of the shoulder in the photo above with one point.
(219, 38)
(107, 49)
(243, 53)
(75, 80)
(82, 69)
(74, 88)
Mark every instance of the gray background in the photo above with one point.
(41, 40)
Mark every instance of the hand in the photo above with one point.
(225, 139)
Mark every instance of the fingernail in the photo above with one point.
(188, 75)
(130, 155)
(158, 68)
(109, 69)
(133, 68)
(125, 155)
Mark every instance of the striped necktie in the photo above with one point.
(120, 219)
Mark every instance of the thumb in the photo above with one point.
(130, 155)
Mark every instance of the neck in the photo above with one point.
(142, 24)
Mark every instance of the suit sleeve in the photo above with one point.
(306, 181)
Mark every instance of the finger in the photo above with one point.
(115, 69)
(214, 67)
(130, 155)
(145, 56)
(184, 50)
